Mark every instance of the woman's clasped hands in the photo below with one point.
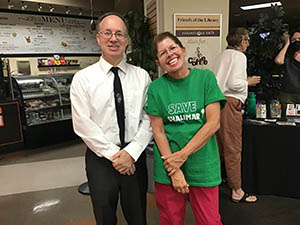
(172, 164)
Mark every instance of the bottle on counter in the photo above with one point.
(251, 108)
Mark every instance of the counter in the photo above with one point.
(11, 135)
(270, 159)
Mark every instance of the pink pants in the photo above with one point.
(203, 200)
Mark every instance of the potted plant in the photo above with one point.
(266, 42)
(141, 52)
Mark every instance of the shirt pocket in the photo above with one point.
(134, 103)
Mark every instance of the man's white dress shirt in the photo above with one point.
(94, 113)
(230, 69)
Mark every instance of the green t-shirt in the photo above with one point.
(181, 104)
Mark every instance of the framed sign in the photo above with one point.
(45, 34)
(200, 34)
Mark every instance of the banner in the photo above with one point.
(41, 34)
(200, 34)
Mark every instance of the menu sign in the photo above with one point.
(41, 34)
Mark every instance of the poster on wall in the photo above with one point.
(42, 34)
(200, 34)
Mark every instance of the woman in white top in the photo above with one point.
(231, 72)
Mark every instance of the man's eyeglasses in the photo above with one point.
(171, 49)
(108, 34)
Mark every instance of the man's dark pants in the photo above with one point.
(107, 185)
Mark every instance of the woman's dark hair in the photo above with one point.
(236, 35)
(164, 35)
(295, 47)
(293, 31)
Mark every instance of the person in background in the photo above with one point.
(115, 165)
(230, 69)
(184, 107)
(290, 89)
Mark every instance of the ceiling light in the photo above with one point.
(67, 10)
(262, 5)
(10, 5)
(23, 5)
(40, 7)
(51, 8)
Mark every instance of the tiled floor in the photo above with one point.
(42, 175)
(40, 187)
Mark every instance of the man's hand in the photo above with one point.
(286, 38)
(252, 81)
(173, 162)
(179, 182)
(123, 162)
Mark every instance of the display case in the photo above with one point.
(46, 107)
(45, 98)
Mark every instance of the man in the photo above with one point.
(231, 72)
(290, 90)
(115, 165)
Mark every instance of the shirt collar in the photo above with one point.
(106, 66)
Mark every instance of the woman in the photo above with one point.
(184, 106)
(230, 68)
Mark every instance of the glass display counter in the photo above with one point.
(45, 98)
(46, 107)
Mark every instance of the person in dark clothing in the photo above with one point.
(289, 56)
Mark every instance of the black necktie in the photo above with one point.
(119, 102)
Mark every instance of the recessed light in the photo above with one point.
(262, 5)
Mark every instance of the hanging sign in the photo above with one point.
(200, 34)
(42, 34)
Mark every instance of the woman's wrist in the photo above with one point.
(184, 154)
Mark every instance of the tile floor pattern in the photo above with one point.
(39, 187)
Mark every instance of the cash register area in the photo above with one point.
(40, 187)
